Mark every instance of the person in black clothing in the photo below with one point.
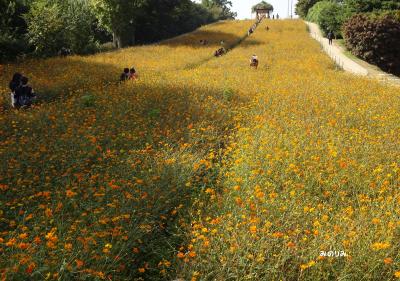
(330, 37)
(64, 52)
(25, 93)
(14, 84)
(125, 75)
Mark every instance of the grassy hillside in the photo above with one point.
(203, 169)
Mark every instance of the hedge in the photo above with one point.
(376, 39)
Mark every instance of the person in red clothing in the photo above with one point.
(133, 74)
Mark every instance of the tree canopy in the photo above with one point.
(220, 9)
(303, 6)
(42, 27)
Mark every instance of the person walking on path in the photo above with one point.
(330, 37)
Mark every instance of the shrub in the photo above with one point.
(12, 47)
(372, 37)
(88, 100)
(228, 94)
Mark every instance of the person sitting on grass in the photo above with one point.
(220, 52)
(25, 93)
(133, 74)
(125, 75)
(254, 61)
(14, 84)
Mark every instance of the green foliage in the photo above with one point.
(119, 17)
(151, 20)
(329, 15)
(13, 27)
(78, 19)
(12, 46)
(161, 19)
(88, 100)
(228, 94)
(11, 21)
(363, 6)
(303, 6)
(154, 113)
(45, 27)
(372, 37)
(56, 24)
(219, 9)
(82, 25)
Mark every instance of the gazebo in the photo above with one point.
(262, 13)
(262, 10)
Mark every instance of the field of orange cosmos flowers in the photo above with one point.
(202, 169)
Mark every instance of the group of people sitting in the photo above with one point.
(220, 52)
(64, 52)
(128, 74)
(22, 95)
(203, 42)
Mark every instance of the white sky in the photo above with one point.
(243, 7)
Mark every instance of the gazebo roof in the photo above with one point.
(262, 6)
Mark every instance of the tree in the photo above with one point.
(45, 27)
(220, 9)
(13, 28)
(303, 6)
(161, 19)
(79, 20)
(61, 23)
(329, 15)
(119, 17)
(364, 6)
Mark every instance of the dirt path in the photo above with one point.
(353, 65)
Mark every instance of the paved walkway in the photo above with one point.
(353, 65)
